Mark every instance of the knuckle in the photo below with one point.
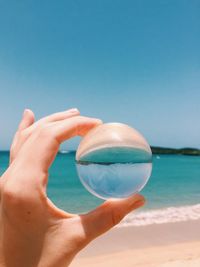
(19, 137)
(16, 198)
(22, 134)
(13, 194)
(45, 133)
(16, 206)
(115, 213)
(116, 216)
(10, 196)
(46, 137)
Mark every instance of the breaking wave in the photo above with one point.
(159, 216)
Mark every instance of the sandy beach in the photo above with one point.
(158, 245)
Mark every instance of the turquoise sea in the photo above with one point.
(173, 189)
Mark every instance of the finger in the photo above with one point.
(44, 143)
(28, 124)
(110, 213)
(27, 119)
(55, 117)
(61, 115)
(78, 125)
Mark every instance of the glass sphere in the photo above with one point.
(113, 161)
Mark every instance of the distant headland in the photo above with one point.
(175, 151)
(189, 151)
(164, 151)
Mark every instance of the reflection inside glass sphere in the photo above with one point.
(113, 161)
(116, 180)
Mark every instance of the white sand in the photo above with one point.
(162, 245)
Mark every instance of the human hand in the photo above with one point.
(33, 231)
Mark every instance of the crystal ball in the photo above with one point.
(113, 160)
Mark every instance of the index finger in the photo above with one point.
(78, 125)
(41, 148)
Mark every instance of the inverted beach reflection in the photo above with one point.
(117, 180)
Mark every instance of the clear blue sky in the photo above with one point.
(136, 62)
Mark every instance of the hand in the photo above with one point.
(33, 231)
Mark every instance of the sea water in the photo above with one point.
(172, 193)
(118, 180)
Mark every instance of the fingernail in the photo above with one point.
(25, 112)
(74, 110)
(99, 121)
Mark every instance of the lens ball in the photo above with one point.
(113, 161)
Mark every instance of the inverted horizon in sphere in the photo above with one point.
(114, 142)
(114, 161)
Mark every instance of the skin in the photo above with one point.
(33, 231)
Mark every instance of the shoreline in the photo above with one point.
(156, 150)
(160, 243)
(162, 215)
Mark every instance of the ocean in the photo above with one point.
(172, 193)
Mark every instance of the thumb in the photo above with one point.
(107, 215)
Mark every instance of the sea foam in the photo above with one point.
(159, 216)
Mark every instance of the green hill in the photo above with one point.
(177, 151)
